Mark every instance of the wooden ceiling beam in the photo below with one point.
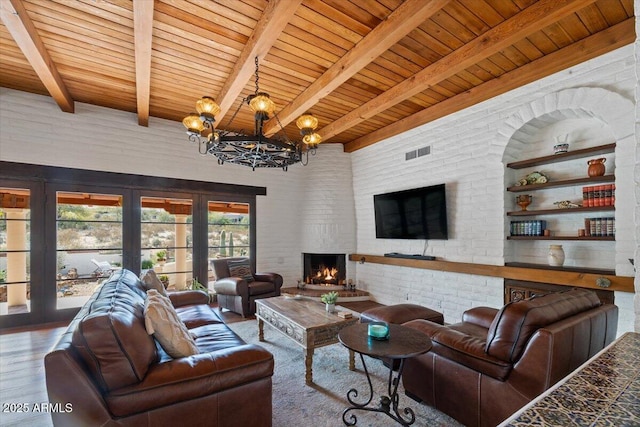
(15, 18)
(398, 24)
(142, 36)
(272, 22)
(532, 19)
(593, 46)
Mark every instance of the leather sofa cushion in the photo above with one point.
(197, 315)
(111, 337)
(459, 347)
(187, 378)
(517, 321)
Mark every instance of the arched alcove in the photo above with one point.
(585, 117)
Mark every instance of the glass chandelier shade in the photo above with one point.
(307, 121)
(312, 139)
(261, 103)
(207, 108)
(193, 123)
(307, 124)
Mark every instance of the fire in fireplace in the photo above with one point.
(324, 269)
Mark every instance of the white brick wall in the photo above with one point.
(467, 154)
(34, 130)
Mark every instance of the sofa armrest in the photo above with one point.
(461, 348)
(481, 316)
(189, 378)
(231, 286)
(275, 278)
(181, 298)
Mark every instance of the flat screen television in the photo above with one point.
(419, 213)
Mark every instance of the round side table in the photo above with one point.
(403, 343)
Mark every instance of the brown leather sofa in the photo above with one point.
(238, 294)
(109, 372)
(488, 366)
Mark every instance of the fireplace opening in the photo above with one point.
(324, 269)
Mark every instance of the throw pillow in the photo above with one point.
(242, 269)
(162, 321)
(151, 281)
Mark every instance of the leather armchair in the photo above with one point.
(239, 295)
(488, 366)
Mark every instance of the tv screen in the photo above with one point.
(419, 213)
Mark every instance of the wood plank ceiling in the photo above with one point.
(368, 69)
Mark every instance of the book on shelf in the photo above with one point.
(600, 227)
(598, 195)
(528, 228)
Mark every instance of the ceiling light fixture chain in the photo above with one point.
(257, 77)
(256, 150)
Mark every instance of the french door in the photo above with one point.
(63, 232)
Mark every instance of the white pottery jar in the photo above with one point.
(555, 256)
(331, 308)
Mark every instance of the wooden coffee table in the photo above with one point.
(305, 322)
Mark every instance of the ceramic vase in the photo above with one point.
(331, 308)
(555, 256)
(596, 167)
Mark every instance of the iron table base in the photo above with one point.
(387, 405)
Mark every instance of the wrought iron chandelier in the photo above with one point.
(254, 150)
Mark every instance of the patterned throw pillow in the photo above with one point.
(242, 269)
(162, 321)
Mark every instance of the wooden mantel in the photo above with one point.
(542, 275)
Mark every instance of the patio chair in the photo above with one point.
(103, 269)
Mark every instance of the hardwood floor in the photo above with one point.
(22, 384)
(22, 379)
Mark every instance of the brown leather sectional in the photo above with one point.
(114, 374)
(488, 366)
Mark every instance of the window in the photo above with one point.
(15, 230)
(77, 226)
(167, 240)
(88, 244)
(228, 230)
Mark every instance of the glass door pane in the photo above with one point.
(228, 230)
(166, 239)
(15, 235)
(88, 244)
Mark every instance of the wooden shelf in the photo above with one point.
(590, 238)
(563, 183)
(545, 160)
(561, 211)
(571, 155)
(576, 269)
(540, 274)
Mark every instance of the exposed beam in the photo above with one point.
(593, 46)
(14, 16)
(274, 19)
(530, 20)
(142, 36)
(398, 24)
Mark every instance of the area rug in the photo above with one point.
(322, 403)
